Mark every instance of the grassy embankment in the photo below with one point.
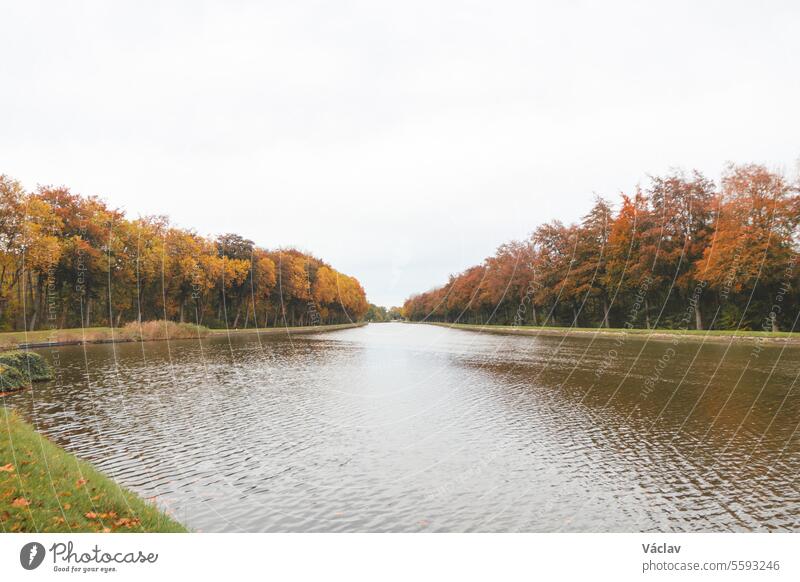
(289, 330)
(146, 331)
(699, 334)
(45, 489)
(149, 331)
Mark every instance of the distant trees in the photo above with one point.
(679, 254)
(377, 313)
(69, 261)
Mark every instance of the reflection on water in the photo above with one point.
(398, 427)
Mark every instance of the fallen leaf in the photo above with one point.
(106, 530)
(80, 482)
(7, 468)
(91, 515)
(20, 502)
(67, 506)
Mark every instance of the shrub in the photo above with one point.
(19, 368)
(11, 379)
(161, 330)
(77, 335)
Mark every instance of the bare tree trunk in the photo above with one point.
(41, 301)
(605, 313)
(32, 301)
(21, 316)
(698, 316)
(647, 314)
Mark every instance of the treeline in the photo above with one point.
(379, 314)
(70, 261)
(682, 253)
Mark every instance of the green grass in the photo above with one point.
(12, 338)
(151, 330)
(564, 330)
(45, 489)
(296, 329)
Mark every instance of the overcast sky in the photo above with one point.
(399, 141)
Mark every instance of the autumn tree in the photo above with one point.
(676, 254)
(588, 273)
(753, 254)
(68, 261)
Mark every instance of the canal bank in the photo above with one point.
(43, 488)
(718, 336)
(105, 335)
(287, 331)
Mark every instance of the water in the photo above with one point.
(398, 427)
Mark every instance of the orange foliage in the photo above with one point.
(72, 261)
(679, 254)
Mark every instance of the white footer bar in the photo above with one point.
(402, 557)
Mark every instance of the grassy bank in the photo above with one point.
(148, 331)
(134, 331)
(288, 330)
(45, 489)
(659, 334)
(11, 339)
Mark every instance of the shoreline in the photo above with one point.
(716, 336)
(289, 331)
(306, 329)
(47, 489)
